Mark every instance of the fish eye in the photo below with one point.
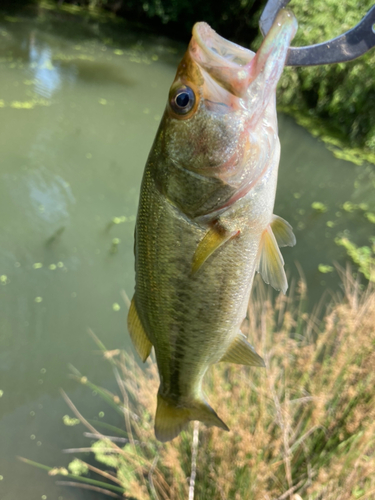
(182, 100)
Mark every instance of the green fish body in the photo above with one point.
(205, 221)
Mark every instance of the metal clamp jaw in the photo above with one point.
(352, 44)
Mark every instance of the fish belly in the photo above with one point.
(191, 319)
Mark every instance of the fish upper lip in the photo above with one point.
(216, 50)
(226, 62)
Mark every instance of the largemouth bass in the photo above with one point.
(205, 221)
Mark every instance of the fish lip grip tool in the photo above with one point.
(346, 47)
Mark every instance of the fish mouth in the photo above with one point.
(216, 49)
(226, 62)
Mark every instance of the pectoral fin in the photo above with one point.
(242, 353)
(212, 240)
(283, 232)
(271, 262)
(137, 333)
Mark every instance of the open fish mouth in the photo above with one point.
(233, 66)
(226, 62)
(217, 50)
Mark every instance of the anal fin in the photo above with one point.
(242, 353)
(137, 333)
(271, 262)
(215, 237)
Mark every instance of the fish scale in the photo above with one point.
(205, 221)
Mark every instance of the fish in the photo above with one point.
(205, 222)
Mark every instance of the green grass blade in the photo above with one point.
(81, 479)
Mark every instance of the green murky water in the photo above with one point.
(80, 103)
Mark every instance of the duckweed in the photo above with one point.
(78, 468)
(318, 206)
(22, 105)
(4, 279)
(324, 269)
(27, 105)
(115, 244)
(70, 422)
(363, 256)
(370, 216)
(348, 206)
(363, 206)
(58, 471)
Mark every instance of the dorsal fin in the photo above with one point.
(271, 262)
(242, 353)
(283, 232)
(137, 333)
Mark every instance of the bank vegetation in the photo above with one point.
(303, 427)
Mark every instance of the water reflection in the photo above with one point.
(49, 195)
(47, 77)
(92, 71)
(67, 170)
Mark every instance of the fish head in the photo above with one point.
(220, 121)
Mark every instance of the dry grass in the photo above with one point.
(302, 428)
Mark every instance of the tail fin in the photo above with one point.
(170, 419)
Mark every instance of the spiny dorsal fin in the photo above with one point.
(212, 240)
(283, 232)
(271, 262)
(242, 353)
(171, 419)
(137, 333)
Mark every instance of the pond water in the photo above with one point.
(80, 102)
